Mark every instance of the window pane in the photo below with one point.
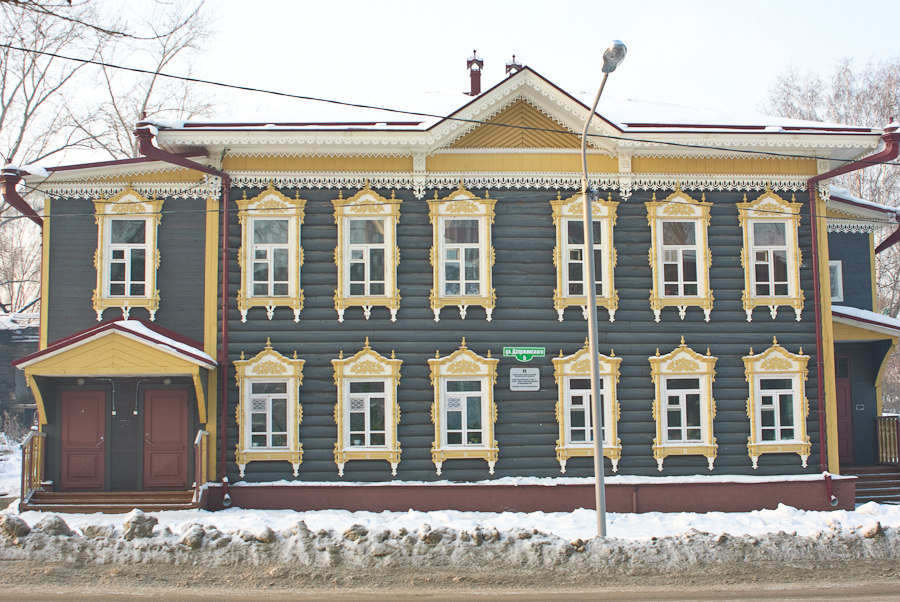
(689, 265)
(578, 420)
(454, 438)
(692, 409)
(376, 264)
(357, 421)
(780, 261)
(138, 257)
(473, 412)
(787, 409)
(260, 272)
(582, 383)
(461, 231)
(768, 384)
(137, 290)
(472, 288)
(280, 265)
(454, 420)
(376, 439)
(575, 272)
(455, 386)
(117, 272)
(451, 271)
(472, 267)
(682, 383)
(376, 289)
(376, 414)
(258, 441)
(116, 289)
(127, 231)
(674, 418)
(768, 418)
(258, 423)
(269, 388)
(357, 272)
(270, 232)
(279, 415)
(279, 440)
(575, 231)
(474, 438)
(279, 290)
(365, 387)
(769, 234)
(366, 231)
(452, 288)
(678, 233)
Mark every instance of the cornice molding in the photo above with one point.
(210, 188)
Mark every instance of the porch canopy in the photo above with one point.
(853, 324)
(120, 348)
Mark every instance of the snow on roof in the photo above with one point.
(139, 328)
(867, 319)
(844, 196)
(18, 321)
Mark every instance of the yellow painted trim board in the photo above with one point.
(884, 362)
(38, 398)
(45, 276)
(831, 433)
(846, 332)
(212, 414)
(212, 277)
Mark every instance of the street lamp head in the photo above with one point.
(613, 56)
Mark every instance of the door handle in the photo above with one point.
(148, 443)
(101, 442)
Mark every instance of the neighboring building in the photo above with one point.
(376, 270)
(18, 336)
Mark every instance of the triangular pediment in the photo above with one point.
(521, 114)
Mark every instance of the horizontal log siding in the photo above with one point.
(73, 278)
(524, 278)
(854, 253)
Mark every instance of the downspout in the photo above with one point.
(145, 145)
(11, 176)
(891, 139)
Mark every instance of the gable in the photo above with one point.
(521, 114)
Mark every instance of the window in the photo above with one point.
(836, 274)
(270, 255)
(771, 254)
(464, 411)
(366, 254)
(269, 411)
(574, 409)
(680, 255)
(366, 412)
(777, 406)
(462, 255)
(684, 407)
(127, 256)
(568, 256)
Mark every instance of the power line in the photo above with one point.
(422, 114)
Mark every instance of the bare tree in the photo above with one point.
(20, 261)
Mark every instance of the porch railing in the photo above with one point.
(32, 464)
(887, 431)
(201, 464)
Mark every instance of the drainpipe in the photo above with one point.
(145, 145)
(11, 176)
(891, 140)
(891, 240)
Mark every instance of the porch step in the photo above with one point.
(876, 483)
(109, 502)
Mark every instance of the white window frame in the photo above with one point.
(267, 398)
(369, 205)
(771, 208)
(777, 363)
(464, 365)
(269, 366)
(366, 365)
(462, 205)
(836, 277)
(571, 210)
(684, 362)
(464, 413)
(680, 207)
(681, 407)
(367, 431)
(268, 205)
(127, 205)
(577, 366)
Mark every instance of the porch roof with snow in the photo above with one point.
(865, 325)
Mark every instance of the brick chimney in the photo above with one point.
(512, 67)
(475, 65)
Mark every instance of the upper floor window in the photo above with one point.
(464, 412)
(777, 405)
(836, 274)
(684, 407)
(569, 255)
(269, 411)
(270, 255)
(462, 256)
(127, 256)
(575, 407)
(366, 254)
(771, 254)
(367, 412)
(679, 255)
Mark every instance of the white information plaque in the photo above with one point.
(524, 379)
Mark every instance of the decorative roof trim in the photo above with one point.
(80, 189)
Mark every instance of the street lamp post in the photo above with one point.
(612, 57)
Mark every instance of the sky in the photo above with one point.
(713, 54)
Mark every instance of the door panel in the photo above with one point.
(82, 440)
(844, 404)
(165, 439)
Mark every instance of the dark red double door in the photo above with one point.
(83, 444)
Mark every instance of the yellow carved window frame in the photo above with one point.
(771, 208)
(269, 366)
(578, 365)
(126, 205)
(604, 214)
(463, 364)
(366, 366)
(680, 207)
(367, 204)
(269, 204)
(776, 362)
(684, 362)
(462, 204)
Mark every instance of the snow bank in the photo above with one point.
(455, 540)
(10, 467)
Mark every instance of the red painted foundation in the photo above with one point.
(655, 497)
